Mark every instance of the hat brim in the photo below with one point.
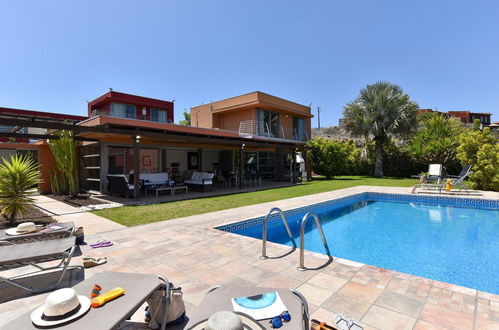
(14, 232)
(248, 323)
(36, 315)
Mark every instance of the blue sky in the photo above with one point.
(55, 55)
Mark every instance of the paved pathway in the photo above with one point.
(194, 256)
(63, 212)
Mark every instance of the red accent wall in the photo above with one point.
(103, 103)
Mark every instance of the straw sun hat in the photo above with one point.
(61, 306)
(22, 228)
(228, 321)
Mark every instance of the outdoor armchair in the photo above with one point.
(118, 184)
(201, 180)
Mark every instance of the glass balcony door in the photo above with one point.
(121, 110)
(268, 123)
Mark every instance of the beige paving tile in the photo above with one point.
(360, 292)
(423, 325)
(328, 282)
(314, 294)
(446, 317)
(400, 303)
(347, 306)
(383, 318)
(484, 324)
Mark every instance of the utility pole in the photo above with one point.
(319, 116)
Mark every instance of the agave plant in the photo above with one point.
(18, 177)
(64, 151)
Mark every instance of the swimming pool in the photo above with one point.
(448, 239)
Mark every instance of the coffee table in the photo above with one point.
(158, 189)
(175, 188)
(138, 288)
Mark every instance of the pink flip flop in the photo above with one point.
(101, 243)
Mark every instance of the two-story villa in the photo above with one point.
(249, 137)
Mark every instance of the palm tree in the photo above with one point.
(380, 111)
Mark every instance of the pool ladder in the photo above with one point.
(264, 235)
(288, 230)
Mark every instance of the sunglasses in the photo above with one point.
(276, 321)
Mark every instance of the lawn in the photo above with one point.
(136, 215)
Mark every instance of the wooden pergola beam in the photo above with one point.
(161, 134)
(41, 136)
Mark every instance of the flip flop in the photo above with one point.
(341, 322)
(345, 323)
(101, 243)
(355, 325)
(89, 262)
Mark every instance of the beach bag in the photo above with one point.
(80, 235)
(156, 307)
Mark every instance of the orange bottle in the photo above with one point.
(105, 297)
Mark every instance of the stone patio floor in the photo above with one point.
(194, 256)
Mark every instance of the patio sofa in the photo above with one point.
(118, 184)
(150, 179)
(200, 180)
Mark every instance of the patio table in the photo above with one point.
(175, 188)
(158, 189)
(67, 230)
(138, 288)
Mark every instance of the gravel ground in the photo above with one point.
(34, 215)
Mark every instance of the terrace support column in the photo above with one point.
(293, 166)
(136, 168)
(241, 165)
(200, 160)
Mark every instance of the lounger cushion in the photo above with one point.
(220, 300)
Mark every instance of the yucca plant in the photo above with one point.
(18, 176)
(66, 160)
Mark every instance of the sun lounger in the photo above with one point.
(138, 288)
(34, 253)
(67, 230)
(219, 299)
(432, 180)
(458, 181)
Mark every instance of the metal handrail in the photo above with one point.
(264, 234)
(302, 238)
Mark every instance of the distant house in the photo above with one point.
(465, 117)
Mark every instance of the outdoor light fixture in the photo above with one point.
(137, 138)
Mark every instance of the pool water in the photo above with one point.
(458, 245)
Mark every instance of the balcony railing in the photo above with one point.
(259, 128)
(100, 112)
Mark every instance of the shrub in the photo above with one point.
(328, 157)
(436, 141)
(64, 151)
(480, 150)
(18, 176)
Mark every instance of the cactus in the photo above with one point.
(66, 160)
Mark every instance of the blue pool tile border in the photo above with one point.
(368, 196)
